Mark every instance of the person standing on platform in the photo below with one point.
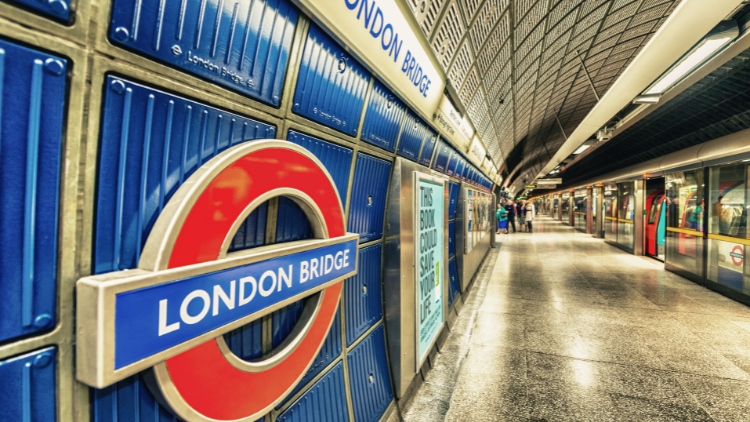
(521, 213)
(511, 209)
(502, 219)
(529, 216)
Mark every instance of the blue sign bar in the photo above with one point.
(156, 318)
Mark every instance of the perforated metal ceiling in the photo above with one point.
(716, 106)
(527, 70)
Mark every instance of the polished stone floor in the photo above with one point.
(564, 327)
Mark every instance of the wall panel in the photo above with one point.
(383, 118)
(369, 189)
(363, 294)
(27, 389)
(369, 377)
(241, 45)
(32, 110)
(331, 85)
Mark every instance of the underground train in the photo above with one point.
(687, 209)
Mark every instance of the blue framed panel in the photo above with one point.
(460, 168)
(292, 223)
(428, 146)
(451, 239)
(324, 401)
(383, 118)
(56, 9)
(246, 342)
(284, 320)
(453, 199)
(450, 167)
(331, 85)
(336, 159)
(412, 135)
(454, 282)
(151, 141)
(252, 232)
(127, 400)
(27, 389)
(329, 352)
(369, 378)
(241, 45)
(369, 189)
(33, 86)
(443, 156)
(362, 294)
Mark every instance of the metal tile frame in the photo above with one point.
(68, 228)
(75, 31)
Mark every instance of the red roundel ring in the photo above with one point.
(737, 254)
(201, 383)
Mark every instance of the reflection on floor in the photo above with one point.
(563, 327)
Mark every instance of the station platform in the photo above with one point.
(562, 326)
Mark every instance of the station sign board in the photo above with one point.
(539, 186)
(169, 315)
(429, 213)
(454, 127)
(381, 37)
(477, 152)
(554, 181)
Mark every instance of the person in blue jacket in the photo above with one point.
(502, 219)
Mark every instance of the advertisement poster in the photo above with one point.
(429, 214)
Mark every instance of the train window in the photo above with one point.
(728, 213)
(727, 238)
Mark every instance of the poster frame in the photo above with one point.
(417, 177)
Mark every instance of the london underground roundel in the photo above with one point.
(169, 315)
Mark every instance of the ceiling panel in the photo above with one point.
(530, 55)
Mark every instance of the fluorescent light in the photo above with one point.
(646, 99)
(694, 58)
(580, 149)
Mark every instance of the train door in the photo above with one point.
(656, 218)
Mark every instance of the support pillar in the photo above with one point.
(589, 210)
(599, 224)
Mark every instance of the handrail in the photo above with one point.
(740, 240)
(691, 232)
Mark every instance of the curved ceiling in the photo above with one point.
(529, 71)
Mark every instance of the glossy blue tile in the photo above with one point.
(242, 45)
(252, 232)
(362, 294)
(443, 155)
(27, 387)
(455, 288)
(32, 112)
(128, 400)
(246, 342)
(412, 135)
(369, 378)
(428, 147)
(292, 223)
(452, 199)
(56, 9)
(336, 159)
(331, 85)
(329, 352)
(369, 189)
(383, 118)
(451, 239)
(324, 401)
(151, 141)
